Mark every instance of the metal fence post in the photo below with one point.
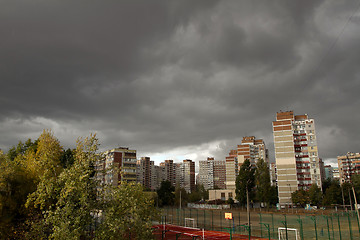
(197, 217)
(301, 228)
(261, 234)
(327, 224)
(212, 220)
(220, 221)
(332, 226)
(285, 225)
(338, 217)
(204, 220)
(351, 236)
(313, 218)
(272, 220)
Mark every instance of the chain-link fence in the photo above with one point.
(336, 225)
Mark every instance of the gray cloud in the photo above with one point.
(168, 77)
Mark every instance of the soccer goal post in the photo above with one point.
(190, 222)
(292, 233)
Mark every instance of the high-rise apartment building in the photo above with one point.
(273, 174)
(206, 173)
(296, 154)
(231, 169)
(336, 173)
(157, 176)
(349, 164)
(143, 175)
(212, 173)
(169, 169)
(219, 174)
(185, 175)
(252, 149)
(120, 165)
(328, 170)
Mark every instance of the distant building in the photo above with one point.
(144, 166)
(328, 169)
(219, 174)
(158, 175)
(185, 175)
(119, 165)
(335, 173)
(212, 173)
(232, 169)
(349, 165)
(273, 175)
(223, 194)
(296, 154)
(206, 173)
(252, 149)
(169, 169)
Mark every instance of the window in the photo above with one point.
(230, 195)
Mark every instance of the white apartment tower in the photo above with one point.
(206, 173)
(296, 154)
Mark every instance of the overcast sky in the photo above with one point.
(179, 79)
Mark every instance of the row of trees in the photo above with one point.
(49, 192)
(169, 195)
(332, 193)
(253, 184)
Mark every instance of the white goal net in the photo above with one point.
(190, 222)
(292, 233)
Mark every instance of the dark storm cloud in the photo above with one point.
(178, 76)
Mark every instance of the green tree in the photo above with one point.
(180, 193)
(67, 158)
(262, 182)
(274, 199)
(300, 197)
(198, 194)
(245, 182)
(315, 195)
(165, 193)
(355, 179)
(128, 213)
(45, 165)
(73, 214)
(332, 193)
(346, 193)
(15, 185)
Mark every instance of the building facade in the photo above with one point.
(252, 149)
(212, 173)
(185, 175)
(296, 154)
(349, 164)
(120, 165)
(232, 169)
(143, 173)
(206, 173)
(169, 169)
(219, 174)
(328, 172)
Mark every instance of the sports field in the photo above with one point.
(169, 232)
(314, 225)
